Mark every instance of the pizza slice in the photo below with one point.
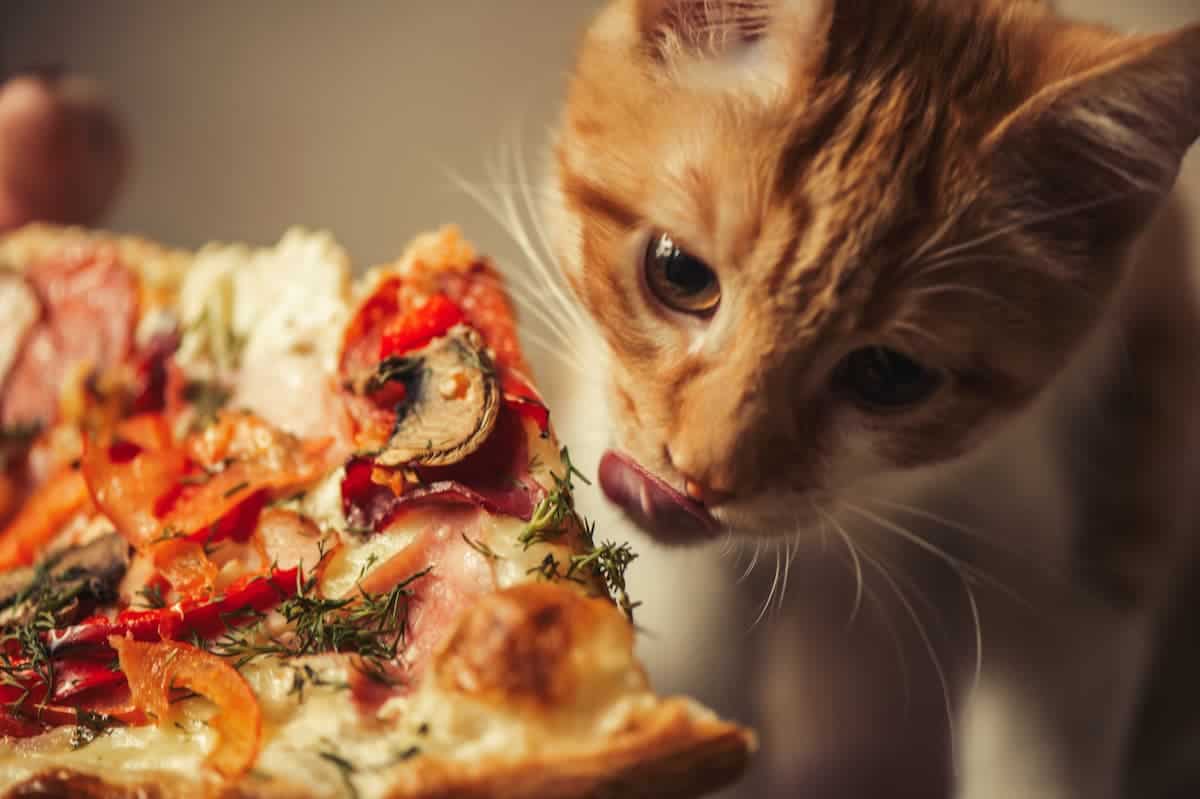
(268, 531)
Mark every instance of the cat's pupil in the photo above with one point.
(678, 279)
(878, 377)
(691, 276)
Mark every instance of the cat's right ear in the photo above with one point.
(1097, 147)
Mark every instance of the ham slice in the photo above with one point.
(89, 304)
(495, 478)
(458, 575)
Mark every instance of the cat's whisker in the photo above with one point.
(854, 558)
(950, 524)
(496, 210)
(544, 314)
(973, 260)
(729, 543)
(555, 352)
(939, 289)
(535, 213)
(932, 549)
(977, 677)
(945, 229)
(753, 562)
(927, 642)
(983, 537)
(916, 332)
(512, 160)
(1023, 224)
(771, 594)
(791, 549)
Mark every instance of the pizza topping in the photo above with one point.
(211, 488)
(156, 670)
(435, 427)
(186, 619)
(428, 318)
(495, 477)
(457, 575)
(91, 572)
(130, 494)
(370, 625)
(520, 395)
(41, 518)
(291, 541)
(480, 294)
(89, 307)
(20, 309)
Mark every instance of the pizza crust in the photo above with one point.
(549, 672)
(544, 657)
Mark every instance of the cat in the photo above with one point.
(905, 285)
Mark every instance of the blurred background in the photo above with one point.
(248, 118)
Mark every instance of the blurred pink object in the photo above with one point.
(63, 152)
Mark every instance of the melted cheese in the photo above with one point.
(288, 300)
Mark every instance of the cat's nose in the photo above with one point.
(705, 495)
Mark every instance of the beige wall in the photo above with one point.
(250, 116)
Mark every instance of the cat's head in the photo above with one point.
(827, 240)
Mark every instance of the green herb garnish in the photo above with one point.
(345, 768)
(207, 398)
(554, 514)
(481, 548)
(553, 517)
(371, 626)
(89, 726)
(152, 597)
(237, 489)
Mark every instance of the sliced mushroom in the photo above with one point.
(451, 405)
(91, 572)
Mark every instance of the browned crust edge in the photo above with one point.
(674, 756)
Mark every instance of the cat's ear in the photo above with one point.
(1099, 144)
(714, 28)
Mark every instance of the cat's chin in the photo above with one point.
(653, 504)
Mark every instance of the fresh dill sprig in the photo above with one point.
(34, 612)
(609, 562)
(554, 514)
(306, 675)
(553, 517)
(481, 548)
(371, 626)
(345, 768)
(169, 533)
(152, 597)
(89, 726)
(237, 489)
(207, 398)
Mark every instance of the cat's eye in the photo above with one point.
(879, 378)
(680, 280)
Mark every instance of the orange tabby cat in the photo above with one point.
(909, 271)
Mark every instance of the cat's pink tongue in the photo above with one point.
(652, 503)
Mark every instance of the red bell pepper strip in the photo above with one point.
(183, 619)
(419, 325)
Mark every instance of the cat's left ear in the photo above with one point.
(716, 28)
(1091, 154)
